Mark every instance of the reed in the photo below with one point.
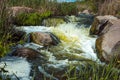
(5, 28)
(109, 7)
(93, 71)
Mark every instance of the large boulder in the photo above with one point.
(107, 44)
(44, 39)
(102, 24)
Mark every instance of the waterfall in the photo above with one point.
(76, 46)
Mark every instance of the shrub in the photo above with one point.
(31, 18)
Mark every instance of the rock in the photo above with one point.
(26, 53)
(86, 12)
(44, 39)
(25, 16)
(16, 10)
(106, 44)
(53, 21)
(101, 24)
(108, 29)
(116, 51)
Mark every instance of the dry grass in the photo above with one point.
(109, 7)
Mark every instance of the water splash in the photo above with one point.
(76, 39)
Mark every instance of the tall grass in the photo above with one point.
(4, 28)
(109, 7)
(93, 72)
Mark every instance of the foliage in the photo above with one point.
(109, 7)
(67, 8)
(31, 18)
(5, 28)
(102, 7)
(87, 4)
(92, 71)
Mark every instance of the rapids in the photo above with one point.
(76, 47)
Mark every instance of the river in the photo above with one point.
(76, 47)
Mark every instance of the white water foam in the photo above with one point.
(29, 29)
(83, 41)
(16, 67)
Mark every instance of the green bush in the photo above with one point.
(31, 18)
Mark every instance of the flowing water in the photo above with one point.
(76, 47)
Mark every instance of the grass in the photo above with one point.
(112, 7)
(93, 72)
(4, 28)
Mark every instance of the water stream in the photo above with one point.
(76, 47)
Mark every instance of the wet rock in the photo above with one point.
(102, 24)
(44, 39)
(106, 44)
(41, 38)
(26, 53)
(53, 21)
